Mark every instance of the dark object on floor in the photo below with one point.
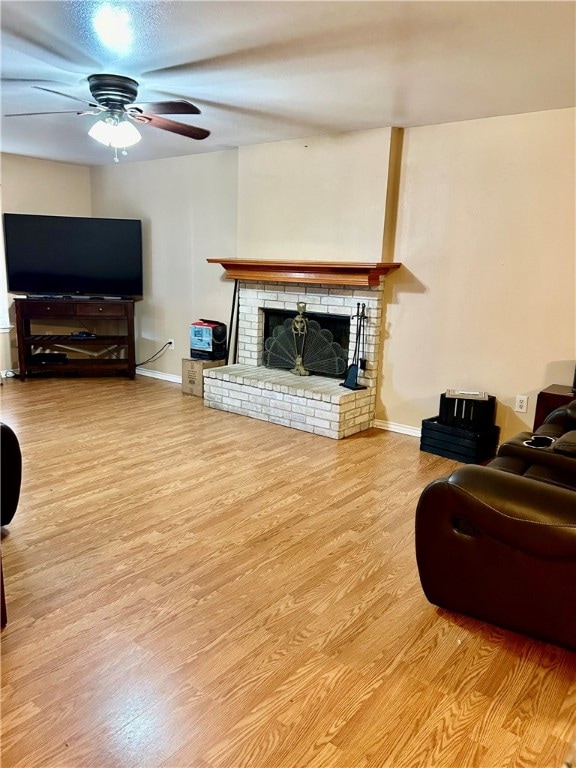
(464, 430)
(470, 446)
(11, 467)
(498, 543)
(3, 612)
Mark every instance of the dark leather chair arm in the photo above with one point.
(534, 517)
(563, 417)
(547, 457)
(501, 548)
(557, 424)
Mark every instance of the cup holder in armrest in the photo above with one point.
(539, 441)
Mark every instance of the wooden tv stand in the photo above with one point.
(112, 352)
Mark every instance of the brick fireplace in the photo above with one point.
(317, 404)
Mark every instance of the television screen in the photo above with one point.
(72, 255)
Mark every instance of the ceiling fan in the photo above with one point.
(114, 97)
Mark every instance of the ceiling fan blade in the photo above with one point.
(64, 112)
(31, 80)
(174, 127)
(177, 107)
(67, 95)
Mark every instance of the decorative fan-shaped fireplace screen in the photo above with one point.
(301, 345)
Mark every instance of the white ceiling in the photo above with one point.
(272, 70)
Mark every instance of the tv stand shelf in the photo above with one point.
(117, 350)
(44, 339)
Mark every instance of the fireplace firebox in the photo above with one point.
(324, 345)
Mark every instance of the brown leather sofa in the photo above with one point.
(498, 542)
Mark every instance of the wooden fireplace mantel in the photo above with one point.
(318, 272)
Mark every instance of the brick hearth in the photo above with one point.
(313, 404)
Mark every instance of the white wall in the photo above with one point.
(317, 199)
(188, 209)
(486, 298)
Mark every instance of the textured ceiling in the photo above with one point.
(267, 71)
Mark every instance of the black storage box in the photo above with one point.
(49, 358)
(468, 413)
(466, 445)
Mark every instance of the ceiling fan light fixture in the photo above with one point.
(102, 131)
(117, 132)
(124, 134)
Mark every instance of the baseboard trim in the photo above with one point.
(159, 375)
(403, 429)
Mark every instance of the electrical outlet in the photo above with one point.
(521, 403)
(170, 344)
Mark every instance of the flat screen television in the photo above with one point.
(73, 255)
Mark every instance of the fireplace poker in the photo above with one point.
(351, 380)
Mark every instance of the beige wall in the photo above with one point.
(317, 199)
(281, 200)
(486, 299)
(42, 187)
(188, 211)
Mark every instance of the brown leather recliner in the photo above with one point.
(498, 542)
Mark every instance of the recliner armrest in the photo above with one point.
(534, 517)
(543, 456)
(565, 417)
(501, 548)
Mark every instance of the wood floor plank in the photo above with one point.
(189, 588)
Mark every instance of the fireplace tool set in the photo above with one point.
(351, 380)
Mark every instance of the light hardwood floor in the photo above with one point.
(193, 589)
